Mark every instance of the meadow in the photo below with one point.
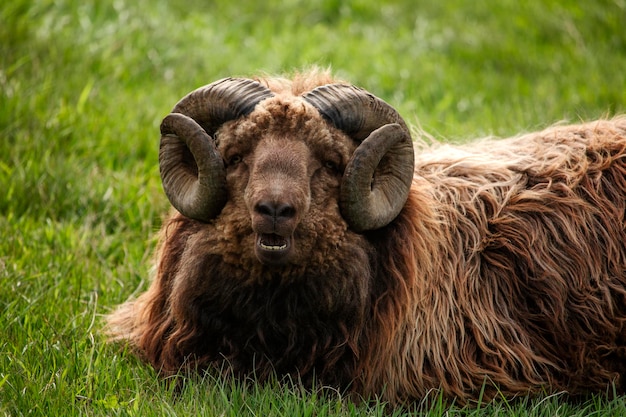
(84, 85)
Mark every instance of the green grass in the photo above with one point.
(84, 85)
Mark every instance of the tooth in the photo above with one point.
(267, 247)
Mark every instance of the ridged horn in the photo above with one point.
(377, 179)
(192, 170)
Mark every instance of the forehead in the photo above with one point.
(285, 118)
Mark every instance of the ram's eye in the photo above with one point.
(331, 165)
(234, 160)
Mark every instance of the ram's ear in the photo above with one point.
(192, 171)
(378, 177)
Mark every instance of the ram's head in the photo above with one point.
(235, 142)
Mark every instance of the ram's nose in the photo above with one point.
(276, 211)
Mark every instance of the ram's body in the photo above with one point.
(504, 270)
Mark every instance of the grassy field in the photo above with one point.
(84, 85)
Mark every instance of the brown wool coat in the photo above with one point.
(504, 271)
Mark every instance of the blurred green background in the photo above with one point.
(84, 85)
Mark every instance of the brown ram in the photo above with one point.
(306, 243)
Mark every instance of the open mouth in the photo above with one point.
(272, 242)
(272, 248)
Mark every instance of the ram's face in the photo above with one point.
(285, 172)
(284, 167)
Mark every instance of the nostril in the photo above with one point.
(285, 210)
(264, 209)
(275, 210)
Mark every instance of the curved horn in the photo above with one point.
(192, 170)
(378, 177)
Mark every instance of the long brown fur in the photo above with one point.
(505, 273)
